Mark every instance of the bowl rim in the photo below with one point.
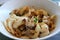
(36, 38)
(48, 36)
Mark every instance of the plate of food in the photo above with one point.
(29, 19)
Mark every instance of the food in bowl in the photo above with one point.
(30, 23)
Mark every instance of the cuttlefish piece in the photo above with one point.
(44, 30)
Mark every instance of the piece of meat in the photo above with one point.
(44, 30)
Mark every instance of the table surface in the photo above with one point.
(56, 37)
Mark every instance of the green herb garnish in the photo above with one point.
(35, 20)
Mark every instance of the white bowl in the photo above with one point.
(13, 4)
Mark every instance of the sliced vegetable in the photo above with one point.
(35, 20)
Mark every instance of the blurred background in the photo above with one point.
(56, 37)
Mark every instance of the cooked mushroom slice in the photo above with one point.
(7, 28)
(46, 19)
(24, 10)
(43, 12)
(19, 22)
(30, 22)
(37, 29)
(53, 18)
(44, 30)
(24, 37)
(9, 24)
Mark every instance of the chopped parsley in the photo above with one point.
(35, 20)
